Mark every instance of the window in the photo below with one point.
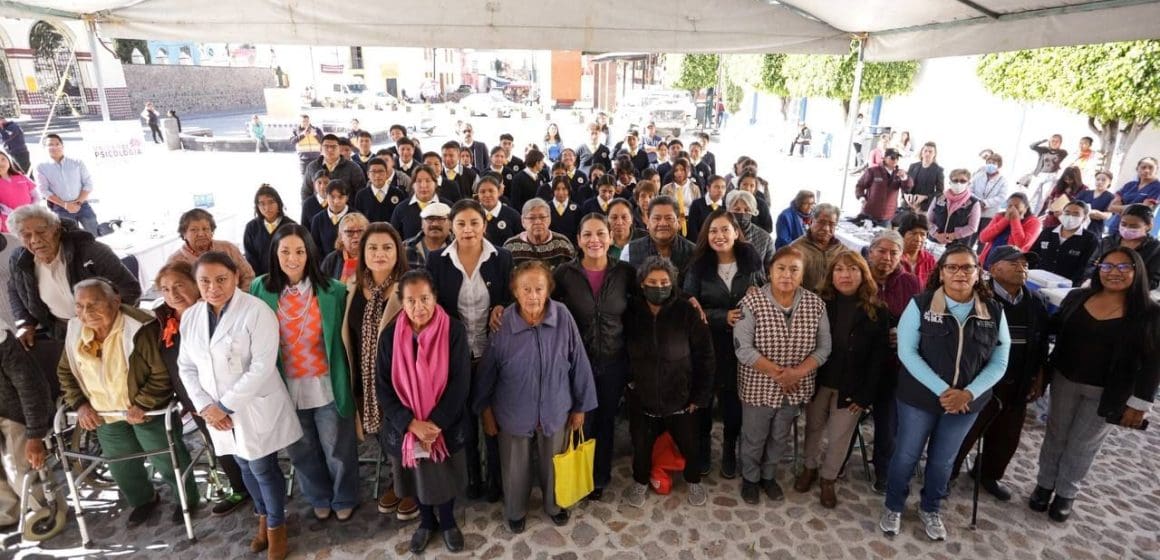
(356, 58)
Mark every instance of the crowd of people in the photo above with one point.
(470, 309)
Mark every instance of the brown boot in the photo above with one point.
(260, 541)
(277, 536)
(829, 496)
(805, 480)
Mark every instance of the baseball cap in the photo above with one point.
(435, 210)
(1010, 253)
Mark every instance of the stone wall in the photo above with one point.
(197, 89)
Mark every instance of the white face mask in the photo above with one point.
(1071, 222)
(958, 188)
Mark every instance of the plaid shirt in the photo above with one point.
(783, 344)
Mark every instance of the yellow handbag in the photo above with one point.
(573, 468)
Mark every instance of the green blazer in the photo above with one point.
(332, 305)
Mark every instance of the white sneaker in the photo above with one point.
(933, 525)
(891, 522)
(636, 495)
(697, 495)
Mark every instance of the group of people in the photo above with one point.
(414, 305)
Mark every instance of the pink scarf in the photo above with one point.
(956, 201)
(420, 379)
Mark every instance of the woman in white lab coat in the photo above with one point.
(227, 361)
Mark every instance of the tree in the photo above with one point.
(833, 77)
(698, 71)
(1116, 85)
(124, 48)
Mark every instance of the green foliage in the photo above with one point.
(124, 49)
(833, 76)
(698, 71)
(45, 40)
(743, 69)
(733, 97)
(1110, 81)
(772, 74)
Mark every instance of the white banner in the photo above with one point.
(113, 141)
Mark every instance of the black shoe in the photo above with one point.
(229, 504)
(1040, 498)
(750, 492)
(996, 489)
(773, 490)
(728, 465)
(141, 513)
(705, 469)
(880, 486)
(453, 539)
(1060, 509)
(595, 495)
(419, 540)
(516, 526)
(560, 519)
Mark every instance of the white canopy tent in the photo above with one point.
(883, 29)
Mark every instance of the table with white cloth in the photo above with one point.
(856, 238)
(152, 242)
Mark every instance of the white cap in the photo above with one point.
(435, 210)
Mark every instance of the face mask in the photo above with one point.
(991, 169)
(1071, 222)
(1131, 234)
(958, 188)
(743, 218)
(657, 296)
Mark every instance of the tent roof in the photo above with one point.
(896, 29)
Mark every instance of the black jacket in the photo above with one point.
(466, 181)
(310, 208)
(1149, 251)
(256, 244)
(449, 412)
(25, 394)
(764, 218)
(1136, 370)
(495, 271)
(451, 191)
(703, 283)
(504, 226)
(348, 171)
(1033, 333)
(670, 366)
(601, 317)
(568, 223)
(523, 189)
(84, 258)
(365, 203)
(332, 264)
(868, 355)
(699, 211)
(1069, 259)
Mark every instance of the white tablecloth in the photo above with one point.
(153, 246)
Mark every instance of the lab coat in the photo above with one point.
(238, 368)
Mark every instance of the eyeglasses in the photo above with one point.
(957, 268)
(959, 182)
(1122, 267)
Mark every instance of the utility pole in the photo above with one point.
(855, 101)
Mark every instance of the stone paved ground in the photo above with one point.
(1117, 517)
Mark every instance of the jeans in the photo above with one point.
(259, 142)
(85, 217)
(121, 438)
(601, 423)
(156, 131)
(267, 486)
(1002, 419)
(326, 458)
(941, 434)
(730, 406)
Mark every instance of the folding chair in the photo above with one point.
(61, 426)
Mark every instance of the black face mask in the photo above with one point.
(657, 295)
(743, 218)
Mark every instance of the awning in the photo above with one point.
(893, 29)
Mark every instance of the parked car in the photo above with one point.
(460, 92)
(671, 110)
(487, 105)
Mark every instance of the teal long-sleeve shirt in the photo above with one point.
(908, 338)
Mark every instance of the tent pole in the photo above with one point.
(91, 27)
(852, 117)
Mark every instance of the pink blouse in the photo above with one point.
(15, 191)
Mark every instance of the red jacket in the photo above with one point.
(1022, 234)
(879, 186)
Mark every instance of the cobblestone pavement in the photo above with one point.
(1115, 518)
